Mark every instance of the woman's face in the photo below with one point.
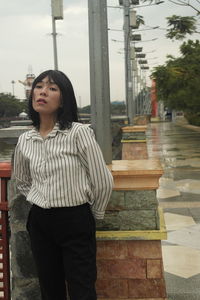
(46, 97)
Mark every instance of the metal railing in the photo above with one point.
(5, 174)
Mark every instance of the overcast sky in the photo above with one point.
(26, 42)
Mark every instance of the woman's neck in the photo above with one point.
(46, 125)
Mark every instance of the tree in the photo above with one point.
(178, 26)
(10, 106)
(139, 21)
(178, 80)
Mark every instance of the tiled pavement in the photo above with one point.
(178, 149)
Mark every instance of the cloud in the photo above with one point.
(24, 7)
(75, 10)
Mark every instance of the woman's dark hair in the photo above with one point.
(68, 112)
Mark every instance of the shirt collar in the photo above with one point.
(35, 135)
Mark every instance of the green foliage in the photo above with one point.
(139, 20)
(193, 118)
(117, 108)
(178, 80)
(180, 27)
(85, 109)
(10, 106)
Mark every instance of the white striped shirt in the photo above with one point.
(64, 169)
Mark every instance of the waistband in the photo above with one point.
(60, 209)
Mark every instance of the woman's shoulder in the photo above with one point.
(79, 127)
(80, 131)
(22, 139)
(25, 135)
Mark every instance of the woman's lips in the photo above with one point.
(41, 101)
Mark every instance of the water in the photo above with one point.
(7, 147)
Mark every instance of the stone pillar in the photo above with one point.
(134, 145)
(25, 284)
(129, 256)
(142, 119)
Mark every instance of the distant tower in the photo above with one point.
(28, 82)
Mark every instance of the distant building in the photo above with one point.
(23, 115)
(28, 84)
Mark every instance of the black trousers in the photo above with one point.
(64, 249)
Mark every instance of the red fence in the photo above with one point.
(5, 173)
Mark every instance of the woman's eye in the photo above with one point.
(38, 86)
(53, 89)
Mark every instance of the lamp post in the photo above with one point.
(13, 87)
(57, 14)
(129, 82)
(99, 76)
(139, 97)
(128, 71)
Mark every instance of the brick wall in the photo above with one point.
(130, 270)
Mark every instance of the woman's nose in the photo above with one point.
(43, 90)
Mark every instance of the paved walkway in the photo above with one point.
(178, 148)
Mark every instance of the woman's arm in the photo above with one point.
(99, 175)
(21, 171)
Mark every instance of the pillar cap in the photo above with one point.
(136, 167)
(5, 169)
(136, 174)
(135, 128)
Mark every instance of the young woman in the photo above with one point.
(60, 169)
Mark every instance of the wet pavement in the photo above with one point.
(178, 148)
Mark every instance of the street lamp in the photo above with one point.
(13, 88)
(128, 72)
(142, 61)
(129, 23)
(145, 41)
(138, 49)
(57, 14)
(140, 55)
(135, 37)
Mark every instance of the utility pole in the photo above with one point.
(128, 71)
(99, 76)
(57, 14)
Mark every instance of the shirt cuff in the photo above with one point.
(98, 215)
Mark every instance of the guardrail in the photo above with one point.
(5, 174)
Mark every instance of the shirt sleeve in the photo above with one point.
(21, 171)
(99, 175)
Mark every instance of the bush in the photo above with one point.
(193, 118)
